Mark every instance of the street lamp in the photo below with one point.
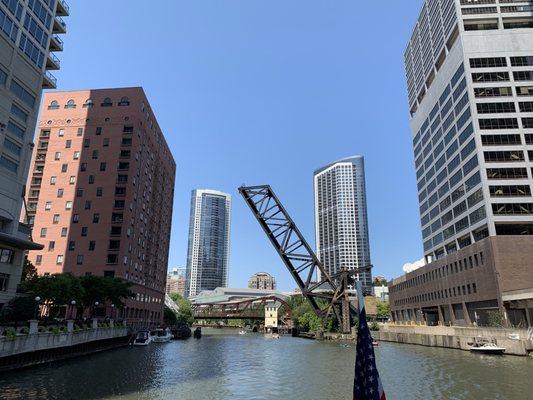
(94, 308)
(112, 311)
(37, 303)
(72, 307)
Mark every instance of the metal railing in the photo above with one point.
(51, 78)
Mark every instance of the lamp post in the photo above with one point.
(72, 308)
(94, 308)
(37, 304)
(112, 311)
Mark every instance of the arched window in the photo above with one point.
(88, 103)
(107, 102)
(70, 104)
(124, 101)
(54, 105)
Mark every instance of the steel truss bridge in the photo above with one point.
(328, 294)
(241, 309)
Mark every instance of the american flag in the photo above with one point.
(366, 385)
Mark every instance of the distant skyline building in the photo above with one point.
(176, 281)
(469, 72)
(29, 36)
(341, 222)
(100, 193)
(262, 280)
(209, 241)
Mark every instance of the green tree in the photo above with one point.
(185, 315)
(20, 308)
(57, 289)
(29, 273)
(170, 317)
(383, 309)
(104, 289)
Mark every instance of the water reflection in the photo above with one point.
(225, 367)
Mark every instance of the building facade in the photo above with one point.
(28, 39)
(469, 69)
(209, 241)
(100, 192)
(341, 222)
(177, 282)
(262, 280)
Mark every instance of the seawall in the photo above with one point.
(516, 341)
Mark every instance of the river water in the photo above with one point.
(232, 367)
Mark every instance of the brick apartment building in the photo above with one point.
(100, 193)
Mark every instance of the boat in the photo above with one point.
(375, 343)
(161, 336)
(142, 338)
(487, 348)
(197, 333)
(242, 332)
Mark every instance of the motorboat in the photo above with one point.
(375, 343)
(487, 348)
(143, 338)
(242, 332)
(197, 333)
(161, 336)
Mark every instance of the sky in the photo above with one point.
(264, 92)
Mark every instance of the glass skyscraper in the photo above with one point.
(209, 239)
(341, 221)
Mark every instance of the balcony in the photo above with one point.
(52, 62)
(59, 25)
(49, 81)
(63, 8)
(56, 44)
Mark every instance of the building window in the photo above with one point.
(510, 191)
(504, 156)
(61, 133)
(79, 132)
(103, 166)
(79, 192)
(107, 102)
(88, 204)
(38, 260)
(79, 259)
(124, 101)
(64, 232)
(7, 256)
(92, 245)
(493, 92)
(71, 245)
(60, 193)
(75, 218)
(96, 218)
(84, 231)
(98, 131)
(53, 180)
(64, 167)
(68, 145)
(54, 105)
(106, 142)
(83, 167)
(513, 209)
(495, 108)
(493, 62)
(51, 245)
(498, 123)
(43, 232)
(91, 179)
(57, 155)
(70, 104)
(68, 205)
(88, 103)
(59, 260)
(48, 205)
(76, 156)
(95, 154)
(490, 76)
(99, 192)
(520, 76)
(56, 219)
(4, 282)
(72, 180)
(112, 259)
(86, 142)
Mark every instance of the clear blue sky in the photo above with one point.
(255, 92)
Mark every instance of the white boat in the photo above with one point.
(242, 332)
(142, 338)
(161, 336)
(487, 348)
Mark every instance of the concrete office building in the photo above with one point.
(341, 222)
(469, 68)
(100, 193)
(262, 280)
(177, 282)
(28, 37)
(209, 241)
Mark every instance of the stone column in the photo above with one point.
(452, 314)
(95, 323)
(111, 323)
(467, 316)
(70, 326)
(441, 316)
(34, 327)
(528, 319)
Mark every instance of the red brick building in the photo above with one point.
(100, 192)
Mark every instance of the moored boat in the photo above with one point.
(142, 338)
(161, 336)
(487, 348)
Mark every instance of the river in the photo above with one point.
(232, 367)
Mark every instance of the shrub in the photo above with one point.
(374, 326)
(10, 333)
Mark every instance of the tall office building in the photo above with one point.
(341, 222)
(209, 240)
(469, 69)
(28, 37)
(262, 280)
(100, 192)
